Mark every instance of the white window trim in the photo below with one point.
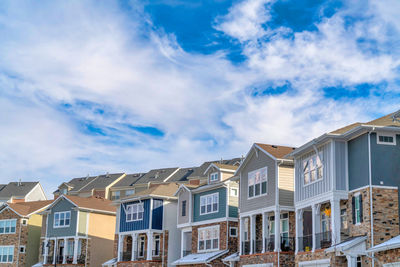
(154, 245)
(137, 217)
(24, 222)
(230, 233)
(281, 220)
(198, 238)
(212, 204)
(62, 226)
(385, 143)
(261, 194)
(322, 166)
(234, 189)
(214, 174)
(357, 199)
(9, 233)
(23, 251)
(1, 261)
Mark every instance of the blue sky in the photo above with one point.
(110, 86)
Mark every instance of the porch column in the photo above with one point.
(351, 261)
(277, 230)
(335, 221)
(65, 251)
(75, 257)
(252, 234)
(264, 215)
(241, 235)
(315, 225)
(55, 251)
(299, 219)
(120, 246)
(149, 245)
(134, 244)
(46, 250)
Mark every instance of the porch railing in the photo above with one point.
(323, 240)
(246, 247)
(305, 243)
(49, 259)
(126, 256)
(258, 248)
(288, 243)
(270, 243)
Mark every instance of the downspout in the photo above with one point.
(19, 241)
(163, 251)
(370, 194)
(277, 201)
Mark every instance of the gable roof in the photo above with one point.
(128, 180)
(101, 181)
(387, 245)
(198, 172)
(17, 189)
(278, 152)
(78, 183)
(27, 208)
(160, 190)
(181, 175)
(95, 204)
(157, 175)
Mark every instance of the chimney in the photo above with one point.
(194, 182)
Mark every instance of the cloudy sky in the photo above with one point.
(88, 87)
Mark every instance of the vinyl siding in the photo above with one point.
(221, 208)
(286, 185)
(33, 243)
(226, 175)
(303, 192)
(358, 162)
(233, 201)
(62, 205)
(82, 224)
(156, 222)
(137, 225)
(184, 195)
(255, 163)
(340, 168)
(36, 195)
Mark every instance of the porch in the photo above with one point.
(140, 246)
(67, 250)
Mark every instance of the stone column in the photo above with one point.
(252, 234)
(75, 257)
(134, 244)
(149, 245)
(335, 221)
(277, 230)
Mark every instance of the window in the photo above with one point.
(141, 247)
(183, 208)
(24, 222)
(209, 203)
(62, 219)
(246, 229)
(115, 195)
(134, 212)
(21, 249)
(312, 169)
(234, 192)
(8, 226)
(6, 254)
(70, 248)
(130, 192)
(271, 227)
(214, 177)
(357, 209)
(208, 238)
(386, 139)
(359, 262)
(233, 231)
(64, 191)
(258, 182)
(156, 245)
(343, 219)
(285, 225)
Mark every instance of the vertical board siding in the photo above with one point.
(286, 185)
(156, 222)
(62, 205)
(184, 195)
(358, 162)
(221, 208)
(137, 225)
(255, 163)
(303, 192)
(340, 160)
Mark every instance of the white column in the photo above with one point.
(241, 235)
(299, 233)
(46, 250)
(75, 258)
(134, 245)
(335, 221)
(252, 233)
(351, 261)
(277, 230)
(149, 245)
(315, 225)
(65, 252)
(264, 215)
(55, 251)
(120, 246)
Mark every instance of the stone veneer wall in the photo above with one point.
(388, 256)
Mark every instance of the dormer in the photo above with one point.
(217, 172)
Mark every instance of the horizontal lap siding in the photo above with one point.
(184, 195)
(221, 208)
(286, 185)
(137, 225)
(233, 201)
(62, 205)
(325, 185)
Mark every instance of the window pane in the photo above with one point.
(251, 191)
(134, 216)
(201, 245)
(215, 207)
(215, 243)
(264, 188)
(285, 226)
(208, 244)
(203, 209)
(209, 208)
(257, 190)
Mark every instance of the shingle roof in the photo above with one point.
(16, 189)
(128, 180)
(198, 172)
(26, 208)
(93, 203)
(165, 190)
(78, 183)
(277, 151)
(156, 175)
(181, 175)
(102, 181)
(226, 166)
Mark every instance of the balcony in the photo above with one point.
(323, 240)
(305, 243)
(246, 247)
(288, 244)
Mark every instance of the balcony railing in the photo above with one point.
(49, 259)
(270, 243)
(81, 259)
(126, 256)
(246, 247)
(69, 259)
(323, 240)
(287, 244)
(305, 243)
(186, 252)
(258, 248)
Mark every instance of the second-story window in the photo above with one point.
(357, 209)
(134, 212)
(312, 168)
(8, 226)
(257, 182)
(343, 219)
(214, 177)
(208, 238)
(386, 139)
(129, 192)
(183, 208)
(62, 219)
(209, 203)
(115, 195)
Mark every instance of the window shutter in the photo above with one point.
(361, 209)
(353, 207)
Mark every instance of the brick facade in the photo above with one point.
(388, 256)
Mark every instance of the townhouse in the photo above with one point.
(146, 228)
(267, 214)
(126, 186)
(15, 192)
(207, 217)
(77, 231)
(20, 225)
(346, 195)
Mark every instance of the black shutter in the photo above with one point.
(353, 208)
(361, 209)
